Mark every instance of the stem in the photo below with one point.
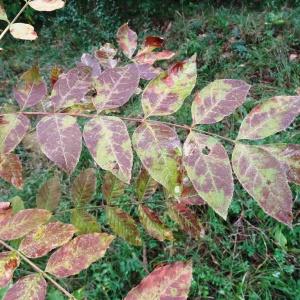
(14, 20)
(39, 270)
(139, 120)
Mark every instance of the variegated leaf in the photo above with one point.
(127, 40)
(263, 177)
(148, 72)
(115, 86)
(13, 128)
(171, 281)
(45, 238)
(289, 157)
(165, 94)
(5, 212)
(186, 218)
(153, 224)
(71, 87)
(84, 222)
(145, 185)
(48, 196)
(159, 149)
(189, 195)
(84, 187)
(31, 90)
(46, 5)
(208, 167)
(90, 61)
(22, 223)
(23, 31)
(112, 188)
(78, 254)
(109, 143)
(60, 140)
(11, 169)
(3, 15)
(218, 100)
(9, 261)
(151, 57)
(105, 55)
(123, 225)
(33, 287)
(270, 117)
(151, 43)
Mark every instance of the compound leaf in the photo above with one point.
(78, 254)
(270, 117)
(145, 185)
(22, 223)
(159, 149)
(47, 5)
(48, 196)
(208, 167)
(33, 287)
(71, 87)
(123, 225)
(264, 179)
(9, 261)
(45, 238)
(13, 128)
(127, 40)
(23, 31)
(153, 224)
(115, 86)
(11, 169)
(218, 100)
(84, 222)
(112, 188)
(31, 90)
(165, 94)
(109, 143)
(84, 187)
(171, 281)
(186, 218)
(289, 157)
(60, 140)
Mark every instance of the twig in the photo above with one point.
(138, 120)
(39, 270)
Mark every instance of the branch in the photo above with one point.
(14, 20)
(138, 120)
(39, 270)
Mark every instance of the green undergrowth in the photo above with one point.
(250, 256)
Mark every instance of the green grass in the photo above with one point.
(250, 256)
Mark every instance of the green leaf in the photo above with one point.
(145, 186)
(84, 187)
(123, 225)
(153, 224)
(112, 188)
(17, 204)
(84, 222)
(48, 196)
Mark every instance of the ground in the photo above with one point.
(249, 256)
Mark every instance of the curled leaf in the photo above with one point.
(127, 40)
(23, 31)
